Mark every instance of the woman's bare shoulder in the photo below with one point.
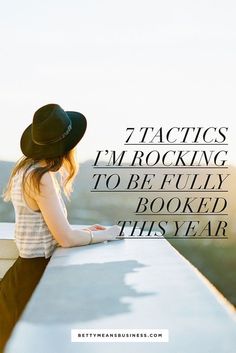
(47, 186)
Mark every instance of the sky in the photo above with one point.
(126, 63)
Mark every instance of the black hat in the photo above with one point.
(53, 132)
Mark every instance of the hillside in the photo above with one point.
(214, 258)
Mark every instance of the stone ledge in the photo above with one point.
(8, 249)
(124, 284)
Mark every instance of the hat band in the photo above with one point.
(56, 139)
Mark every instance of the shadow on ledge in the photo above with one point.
(80, 293)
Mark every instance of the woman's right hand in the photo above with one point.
(114, 233)
(110, 233)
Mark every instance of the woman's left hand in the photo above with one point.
(95, 227)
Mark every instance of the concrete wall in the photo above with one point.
(128, 284)
(8, 250)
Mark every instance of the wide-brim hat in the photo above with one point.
(53, 132)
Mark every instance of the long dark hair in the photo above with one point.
(67, 165)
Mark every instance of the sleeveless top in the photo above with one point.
(32, 236)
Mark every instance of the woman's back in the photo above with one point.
(32, 236)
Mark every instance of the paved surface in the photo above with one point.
(124, 284)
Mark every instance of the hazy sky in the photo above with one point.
(121, 63)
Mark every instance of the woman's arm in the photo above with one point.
(51, 209)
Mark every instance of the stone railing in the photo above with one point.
(128, 284)
(8, 250)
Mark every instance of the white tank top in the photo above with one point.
(32, 236)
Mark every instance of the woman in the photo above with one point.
(48, 145)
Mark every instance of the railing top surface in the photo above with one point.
(6, 231)
(124, 284)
